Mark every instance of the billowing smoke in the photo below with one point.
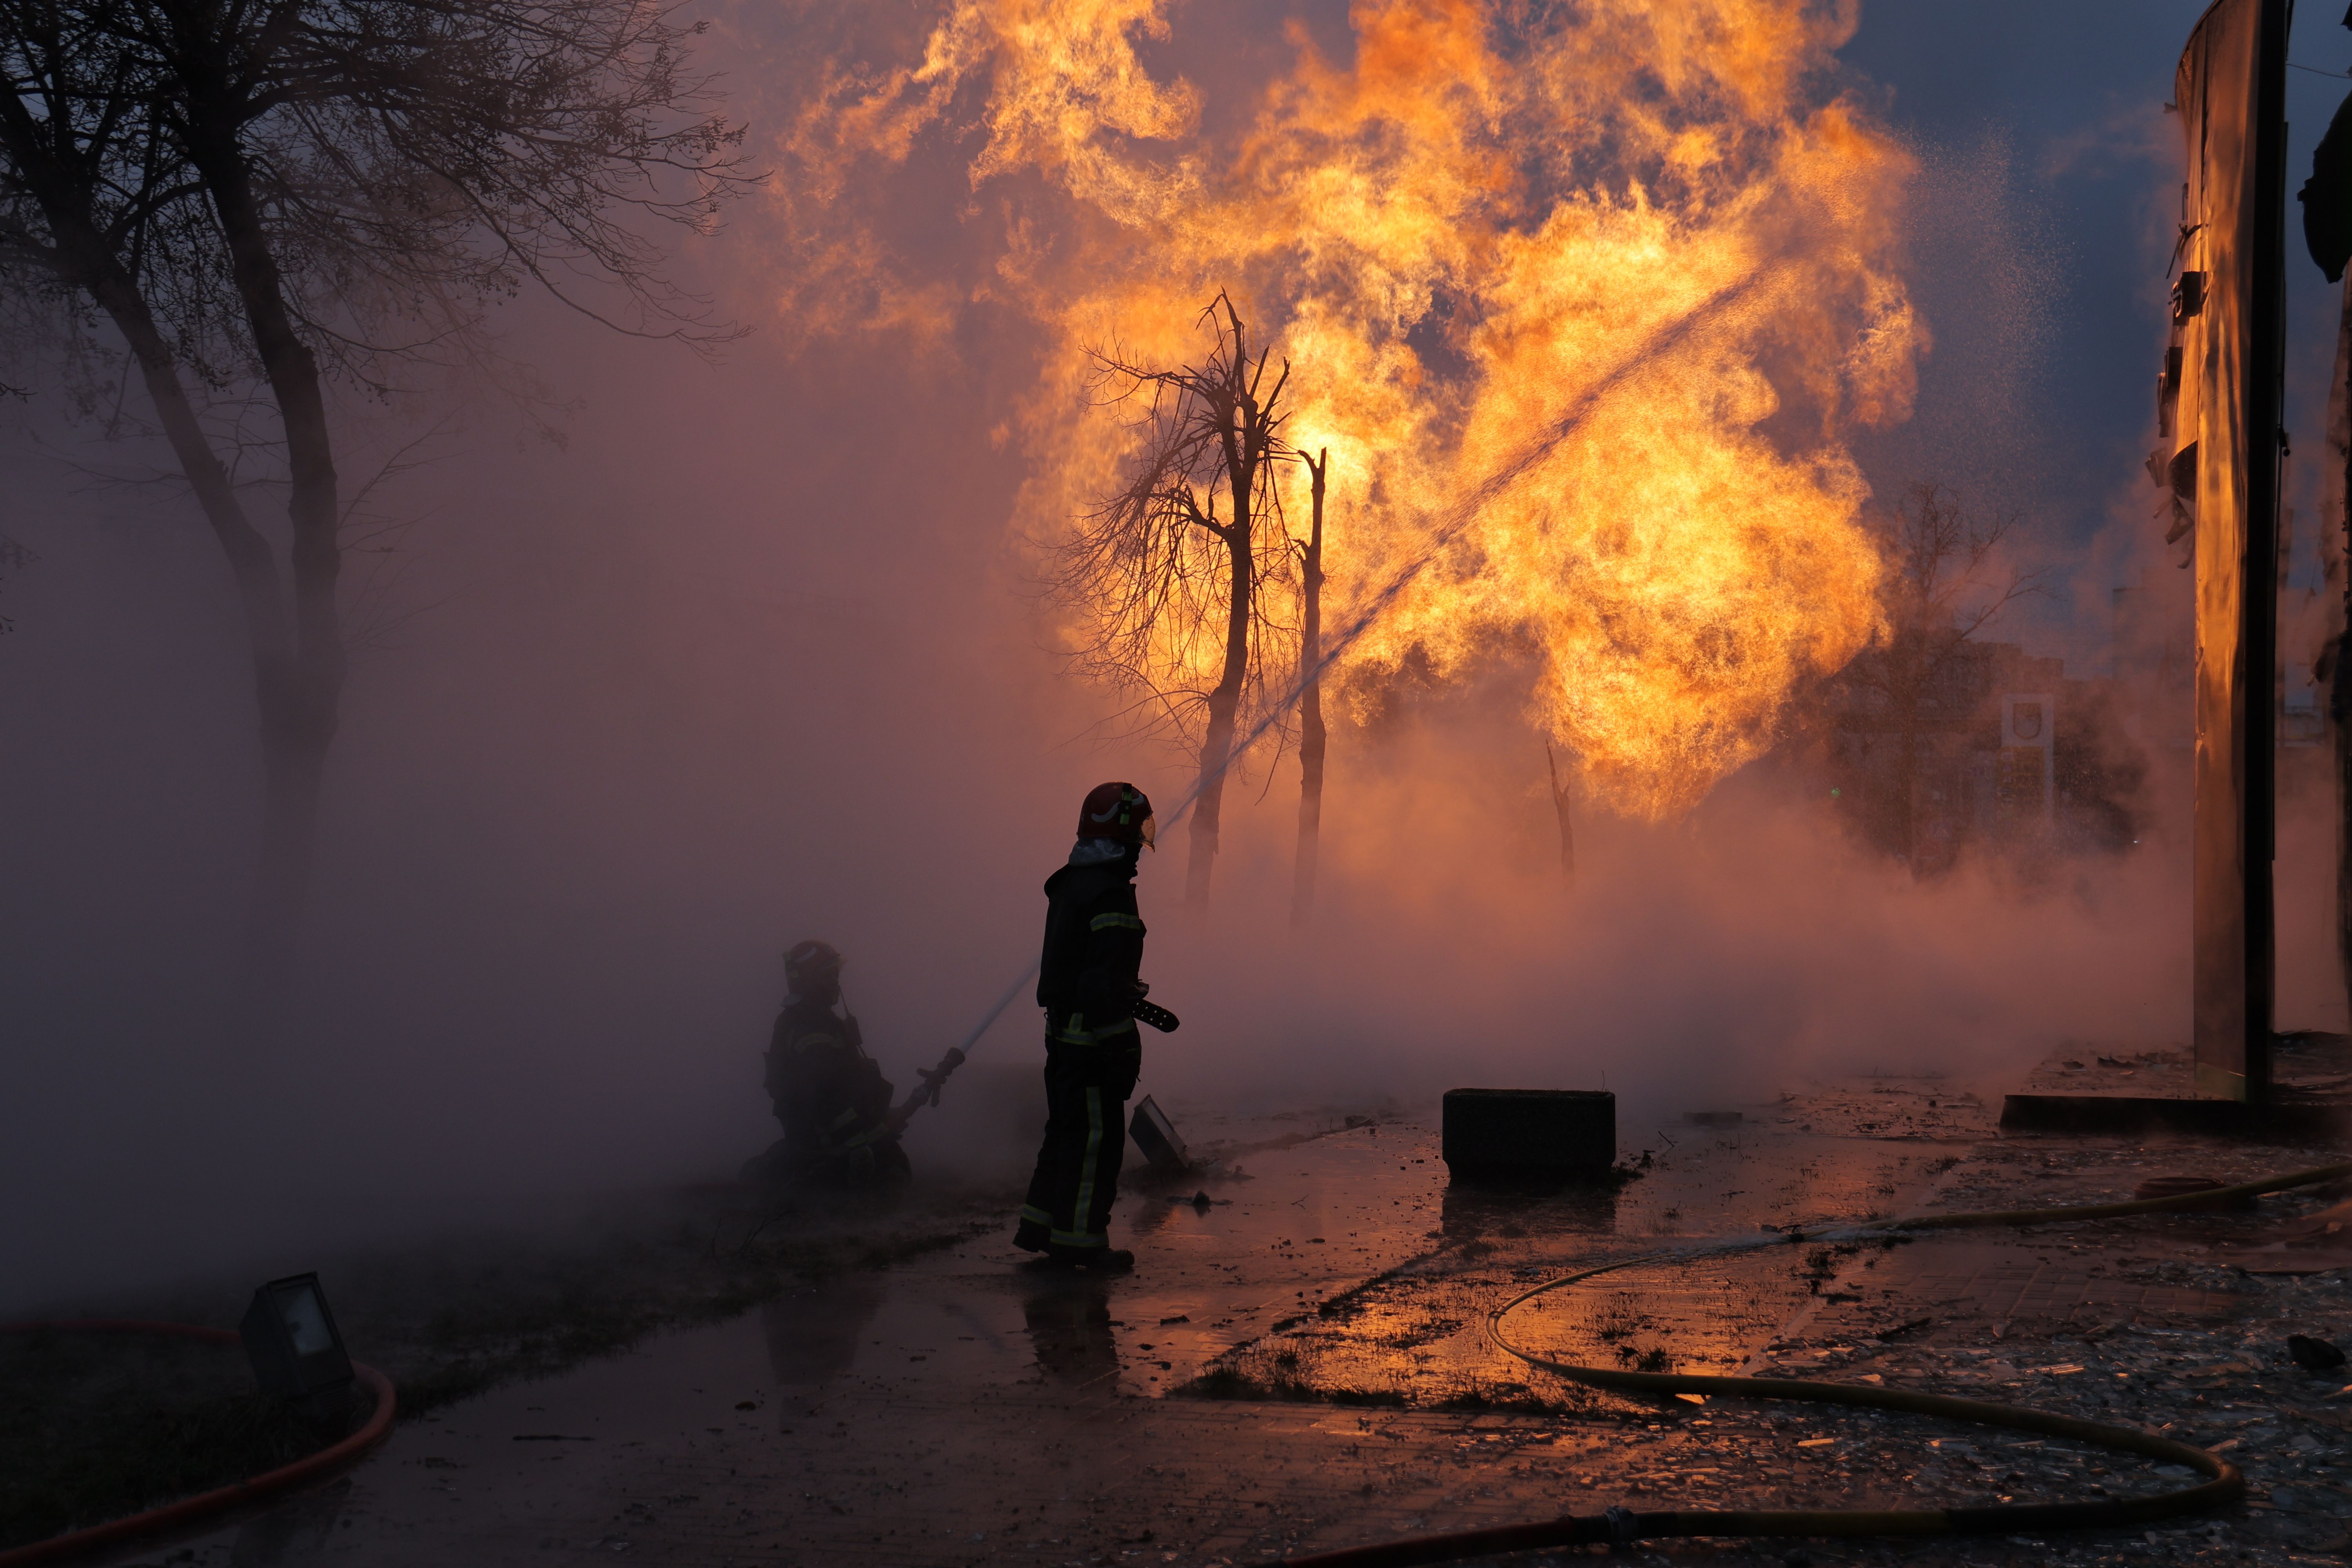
(1643, 261)
(757, 651)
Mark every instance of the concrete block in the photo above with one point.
(1530, 1131)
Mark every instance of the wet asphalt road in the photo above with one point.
(971, 1406)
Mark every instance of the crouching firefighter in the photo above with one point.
(830, 1096)
(1088, 985)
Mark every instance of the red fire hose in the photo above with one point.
(187, 1510)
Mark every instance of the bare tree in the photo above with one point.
(1941, 590)
(1164, 583)
(277, 193)
(1312, 735)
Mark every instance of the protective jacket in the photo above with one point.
(1087, 975)
(1087, 982)
(829, 1094)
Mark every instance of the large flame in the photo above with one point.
(1624, 266)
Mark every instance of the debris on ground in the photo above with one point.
(1301, 1362)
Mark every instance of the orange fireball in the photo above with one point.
(1591, 299)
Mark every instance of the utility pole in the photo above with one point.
(1311, 736)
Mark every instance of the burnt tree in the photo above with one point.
(1560, 802)
(1168, 576)
(274, 195)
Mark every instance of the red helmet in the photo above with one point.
(1115, 811)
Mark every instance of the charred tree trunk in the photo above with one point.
(1136, 571)
(1246, 433)
(1560, 789)
(1216, 745)
(1311, 737)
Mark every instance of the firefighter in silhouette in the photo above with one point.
(1087, 983)
(830, 1096)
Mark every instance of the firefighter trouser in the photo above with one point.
(1087, 1089)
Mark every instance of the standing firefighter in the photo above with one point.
(1087, 983)
(830, 1096)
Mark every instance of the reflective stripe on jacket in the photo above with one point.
(1088, 972)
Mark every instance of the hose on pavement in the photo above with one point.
(2223, 1484)
(205, 1505)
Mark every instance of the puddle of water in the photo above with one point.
(1419, 1337)
(888, 1363)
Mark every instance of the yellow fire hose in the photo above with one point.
(1623, 1526)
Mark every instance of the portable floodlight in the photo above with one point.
(296, 1352)
(1156, 1136)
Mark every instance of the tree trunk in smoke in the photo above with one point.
(298, 708)
(1216, 746)
(1560, 805)
(294, 690)
(1246, 434)
(293, 743)
(1906, 789)
(1141, 586)
(2339, 684)
(297, 668)
(1903, 691)
(1311, 737)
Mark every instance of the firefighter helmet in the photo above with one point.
(1116, 811)
(812, 966)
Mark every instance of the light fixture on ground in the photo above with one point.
(297, 1352)
(1155, 1135)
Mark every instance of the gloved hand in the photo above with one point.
(936, 1079)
